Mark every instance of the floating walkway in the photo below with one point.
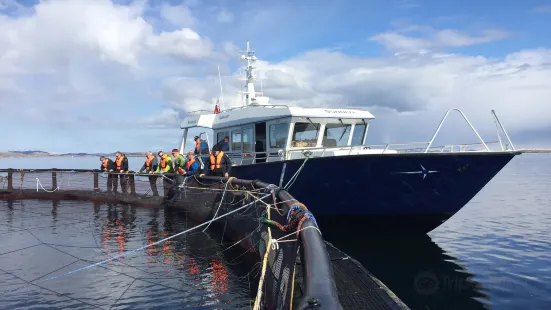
(259, 217)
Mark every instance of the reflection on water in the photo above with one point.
(42, 239)
(418, 271)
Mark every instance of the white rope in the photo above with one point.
(295, 176)
(275, 242)
(40, 184)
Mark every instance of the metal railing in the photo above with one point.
(241, 158)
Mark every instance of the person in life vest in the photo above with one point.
(201, 147)
(150, 166)
(179, 167)
(165, 166)
(192, 166)
(122, 167)
(107, 165)
(219, 164)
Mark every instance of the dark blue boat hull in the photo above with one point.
(410, 191)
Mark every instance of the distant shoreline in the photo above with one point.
(44, 155)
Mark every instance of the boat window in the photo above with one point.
(278, 135)
(220, 136)
(336, 135)
(236, 141)
(305, 134)
(247, 139)
(358, 135)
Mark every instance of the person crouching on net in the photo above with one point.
(219, 164)
(107, 165)
(165, 166)
(150, 166)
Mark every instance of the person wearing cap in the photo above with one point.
(219, 164)
(107, 165)
(179, 166)
(201, 147)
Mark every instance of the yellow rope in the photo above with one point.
(264, 265)
(293, 287)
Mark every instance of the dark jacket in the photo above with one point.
(124, 164)
(225, 165)
(224, 146)
(152, 165)
(110, 165)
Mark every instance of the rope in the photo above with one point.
(264, 266)
(40, 184)
(221, 201)
(295, 176)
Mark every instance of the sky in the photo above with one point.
(102, 75)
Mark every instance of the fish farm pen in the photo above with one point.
(297, 269)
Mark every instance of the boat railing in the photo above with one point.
(267, 106)
(246, 158)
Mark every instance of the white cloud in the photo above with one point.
(434, 39)
(543, 9)
(76, 62)
(406, 91)
(225, 16)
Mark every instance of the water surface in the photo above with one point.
(42, 239)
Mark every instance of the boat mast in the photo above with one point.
(249, 56)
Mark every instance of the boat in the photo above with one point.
(322, 157)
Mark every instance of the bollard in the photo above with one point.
(132, 185)
(96, 182)
(54, 179)
(10, 180)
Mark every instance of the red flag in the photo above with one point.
(216, 108)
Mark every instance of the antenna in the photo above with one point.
(221, 90)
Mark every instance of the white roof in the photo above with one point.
(261, 113)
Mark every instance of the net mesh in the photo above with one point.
(246, 212)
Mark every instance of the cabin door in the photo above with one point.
(260, 142)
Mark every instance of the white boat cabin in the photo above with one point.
(259, 133)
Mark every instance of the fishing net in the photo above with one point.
(251, 224)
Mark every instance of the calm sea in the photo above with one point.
(495, 253)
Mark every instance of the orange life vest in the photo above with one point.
(189, 163)
(163, 161)
(197, 145)
(148, 162)
(119, 162)
(215, 162)
(105, 163)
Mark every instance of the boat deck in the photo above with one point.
(357, 287)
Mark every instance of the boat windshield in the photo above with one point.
(278, 135)
(358, 134)
(336, 135)
(305, 134)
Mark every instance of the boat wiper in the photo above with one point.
(345, 127)
(313, 123)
